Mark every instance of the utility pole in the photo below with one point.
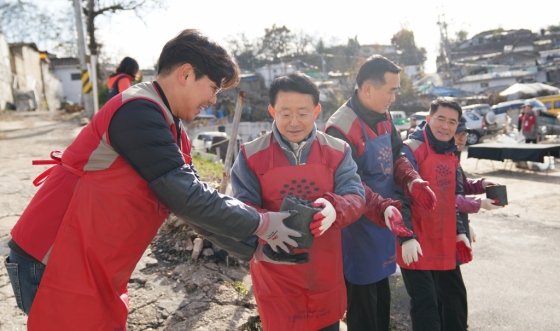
(444, 42)
(86, 82)
(323, 63)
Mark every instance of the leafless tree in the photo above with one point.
(23, 21)
(95, 8)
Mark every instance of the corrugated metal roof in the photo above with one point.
(495, 75)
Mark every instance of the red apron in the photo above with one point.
(436, 230)
(308, 296)
(111, 218)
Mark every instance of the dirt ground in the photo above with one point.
(512, 283)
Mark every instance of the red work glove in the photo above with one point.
(376, 206)
(394, 221)
(464, 250)
(422, 194)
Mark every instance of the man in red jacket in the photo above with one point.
(101, 204)
(529, 124)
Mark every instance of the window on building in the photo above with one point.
(77, 76)
(484, 84)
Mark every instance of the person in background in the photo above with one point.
(413, 125)
(123, 77)
(220, 112)
(452, 293)
(529, 124)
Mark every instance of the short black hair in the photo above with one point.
(128, 66)
(445, 102)
(207, 57)
(374, 69)
(294, 82)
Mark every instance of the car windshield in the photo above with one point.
(472, 116)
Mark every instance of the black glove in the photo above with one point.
(264, 253)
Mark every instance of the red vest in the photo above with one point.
(348, 123)
(436, 230)
(92, 220)
(312, 295)
(527, 121)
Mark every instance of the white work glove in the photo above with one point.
(488, 204)
(464, 250)
(410, 250)
(272, 229)
(473, 234)
(394, 221)
(323, 219)
(486, 182)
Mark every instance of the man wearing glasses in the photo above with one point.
(295, 159)
(104, 200)
(439, 235)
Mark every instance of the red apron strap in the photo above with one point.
(56, 157)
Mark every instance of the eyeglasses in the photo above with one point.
(442, 121)
(299, 117)
(215, 89)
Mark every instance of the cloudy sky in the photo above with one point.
(334, 21)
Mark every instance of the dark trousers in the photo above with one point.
(333, 327)
(369, 306)
(452, 300)
(531, 141)
(422, 287)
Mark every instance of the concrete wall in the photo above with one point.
(26, 66)
(72, 89)
(5, 74)
(53, 88)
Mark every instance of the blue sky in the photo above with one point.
(371, 21)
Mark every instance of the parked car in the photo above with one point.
(512, 109)
(400, 120)
(476, 127)
(208, 140)
(538, 105)
(203, 140)
(503, 110)
(549, 124)
(420, 116)
(484, 110)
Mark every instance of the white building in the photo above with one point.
(270, 71)
(68, 71)
(6, 95)
(496, 81)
